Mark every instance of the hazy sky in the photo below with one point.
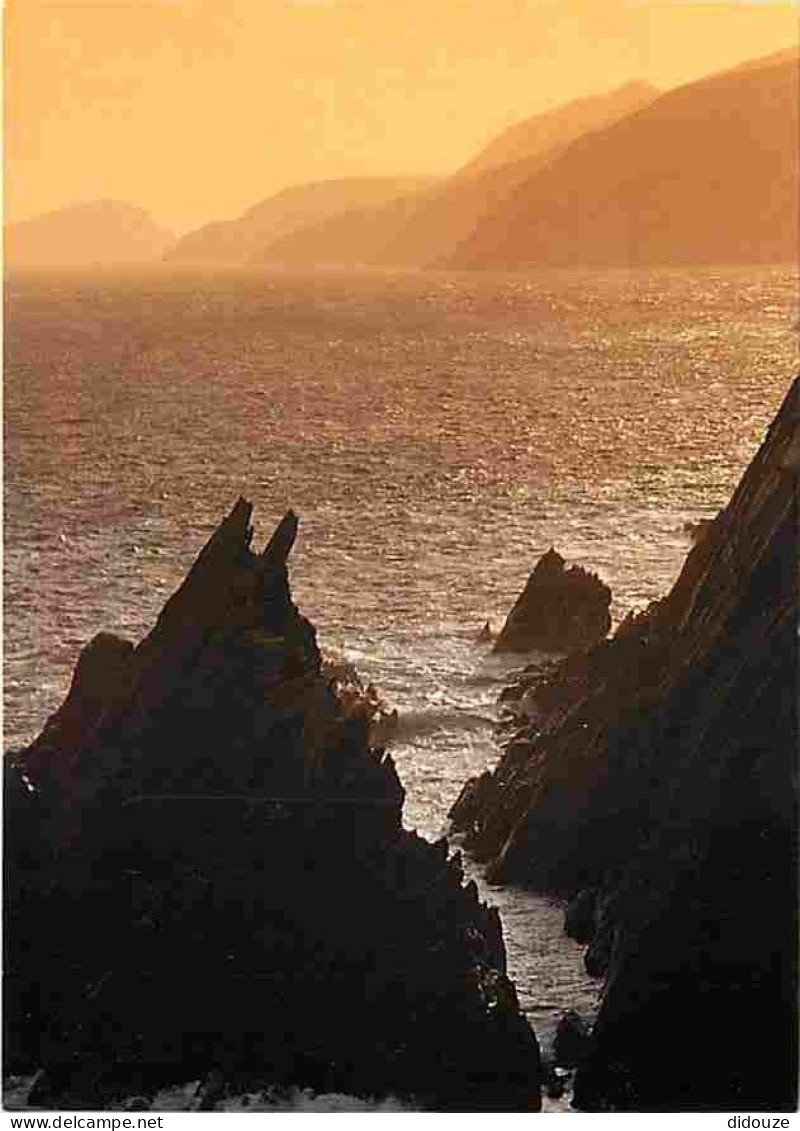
(196, 109)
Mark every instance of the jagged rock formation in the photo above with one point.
(558, 610)
(206, 877)
(653, 778)
(358, 700)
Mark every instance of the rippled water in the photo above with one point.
(436, 434)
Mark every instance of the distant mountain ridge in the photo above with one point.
(558, 127)
(242, 240)
(354, 237)
(784, 55)
(100, 232)
(708, 173)
(429, 225)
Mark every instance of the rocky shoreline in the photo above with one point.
(652, 779)
(252, 913)
(217, 803)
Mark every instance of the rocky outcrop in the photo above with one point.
(570, 1041)
(655, 774)
(361, 701)
(558, 610)
(207, 878)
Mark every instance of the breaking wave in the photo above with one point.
(412, 724)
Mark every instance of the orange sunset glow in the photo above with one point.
(195, 109)
(401, 440)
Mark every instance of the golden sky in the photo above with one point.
(196, 109)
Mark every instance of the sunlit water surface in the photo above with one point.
(436, 433)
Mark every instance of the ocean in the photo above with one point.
(435, 432)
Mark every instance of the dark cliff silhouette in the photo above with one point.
(653, 780)
(207, 878)
(558, 610)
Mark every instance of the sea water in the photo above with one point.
(435, 432)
